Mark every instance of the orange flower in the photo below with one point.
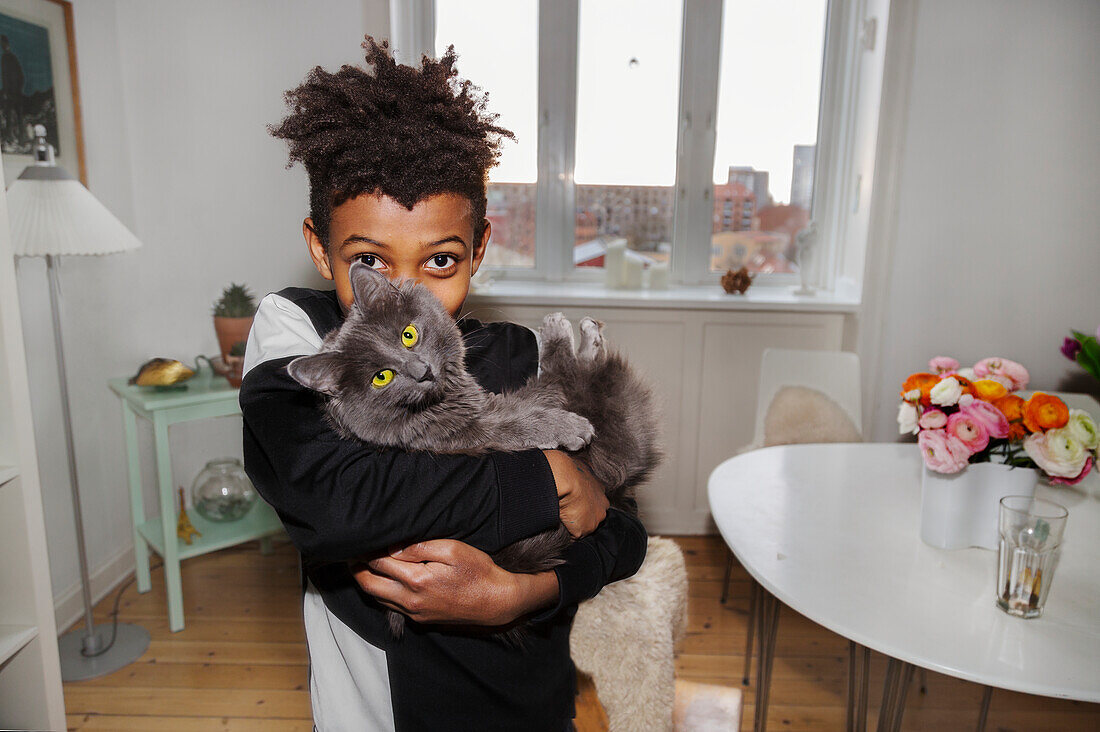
(922, 381)
(1011, 406)
(1016, 431)
(1044, 412)
(987, 389)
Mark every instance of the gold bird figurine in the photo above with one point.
(184, 528)
(161, 372)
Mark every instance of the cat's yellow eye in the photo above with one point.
(409, 336)
(382, 378)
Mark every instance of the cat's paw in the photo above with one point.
(591, 339)
(576, 432)
(556, 330)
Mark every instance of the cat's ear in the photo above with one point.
(320, 373)
(367, 285)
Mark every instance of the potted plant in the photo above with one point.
(980, 441)
(233, 313)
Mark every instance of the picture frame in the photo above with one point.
(39, 84)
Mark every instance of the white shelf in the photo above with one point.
(7, 472)
(13, 638)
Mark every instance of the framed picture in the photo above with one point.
(38, 84)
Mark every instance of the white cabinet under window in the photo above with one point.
(704, 364)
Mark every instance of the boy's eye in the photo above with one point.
(409, 336)
(442, 261)
(371, 261)
(382, 378)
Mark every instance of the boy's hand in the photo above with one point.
(447, 581)
(582, 500)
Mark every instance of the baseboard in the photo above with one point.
(68, 606)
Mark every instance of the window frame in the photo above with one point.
(841, 146)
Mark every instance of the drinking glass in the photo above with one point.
(1031, 542)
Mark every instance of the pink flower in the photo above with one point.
(1014, 372)
(968, 430)
(933, 419)
(991, 418)
(1074, 481)
(942, 452)
(943, 365)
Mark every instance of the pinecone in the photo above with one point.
(737, 282)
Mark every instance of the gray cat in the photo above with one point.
(395, 375)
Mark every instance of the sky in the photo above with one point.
(627, 84)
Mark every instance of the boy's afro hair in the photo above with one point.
(400, 131)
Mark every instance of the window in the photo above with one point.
(513, 91)
(768, 100)
(689, 131)
(628, 71)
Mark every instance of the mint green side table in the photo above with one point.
(206, 396)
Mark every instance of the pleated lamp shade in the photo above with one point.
(52, 213)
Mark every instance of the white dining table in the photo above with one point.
(833, 532)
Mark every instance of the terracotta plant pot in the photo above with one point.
(231, 331)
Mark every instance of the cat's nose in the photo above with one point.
(421, 371)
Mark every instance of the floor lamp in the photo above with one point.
(54, 215)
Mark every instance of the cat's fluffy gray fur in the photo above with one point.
(586, 400)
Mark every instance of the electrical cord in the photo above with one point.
(114, 614)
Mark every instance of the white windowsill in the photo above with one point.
(700, 297)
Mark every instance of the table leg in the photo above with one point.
(899, 675)
(168, 521)
(726, 576)
(859, 668)
(864, 687)
(983, 715)
(754, 613)
(137, 502)
(768, 625)
(850, 710)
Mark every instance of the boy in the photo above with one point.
(397, 163)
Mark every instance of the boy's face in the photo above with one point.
(432, 244)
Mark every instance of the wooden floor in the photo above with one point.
(241, 662)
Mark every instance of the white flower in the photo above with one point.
(1083, 429)
(908, 419)
(913, 395)
(1057, 452)
(947, 392)
(967, 373)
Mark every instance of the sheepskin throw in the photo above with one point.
(800, 415)
(625, 639)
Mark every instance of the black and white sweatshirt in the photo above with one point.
(341, 500)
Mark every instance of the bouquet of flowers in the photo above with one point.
(971, 415)
(1085, 350)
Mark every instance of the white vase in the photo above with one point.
(960, 510)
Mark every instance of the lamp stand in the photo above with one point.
(86, 654)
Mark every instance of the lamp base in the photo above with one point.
(130, 643)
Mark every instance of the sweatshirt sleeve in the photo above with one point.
(614, 551)
(340, 499)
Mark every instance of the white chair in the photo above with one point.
(835, 374)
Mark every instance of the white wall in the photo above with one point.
(176, 96)
(998, 227)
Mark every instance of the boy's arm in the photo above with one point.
(340, 500)
(453, 583)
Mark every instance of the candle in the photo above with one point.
(632, 273)
(613, 263)
(658, 276)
